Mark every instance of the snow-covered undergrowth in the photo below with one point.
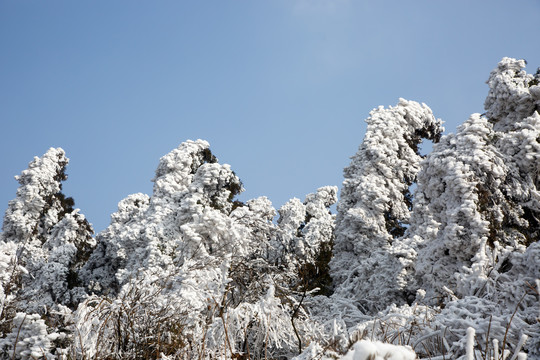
(451, 271)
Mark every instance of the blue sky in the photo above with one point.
(279, 88)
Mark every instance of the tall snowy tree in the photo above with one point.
(375, 205)
(476, 220)
(477, 199)
(458, 193)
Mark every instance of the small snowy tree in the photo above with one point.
(53, 240)
(43, 245)
(476, 218)
(305, 237)
(250, 274)
(114, 245)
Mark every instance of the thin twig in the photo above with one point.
(17, 337)
(487, 338)
(295, 312)
(510, 322)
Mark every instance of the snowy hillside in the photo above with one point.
(448, 270)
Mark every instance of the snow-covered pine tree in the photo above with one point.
(44, 243)
(190, 247)
(52, 239)
(375, 205)
(477, 200)
(450, 223)
(178, 224)
(476, 219)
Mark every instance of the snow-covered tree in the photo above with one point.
(375, 205)
(114, 244)
(52, 239)
(476, 218)
(305, 237)
(458, 193)
(44, 244)
(477, 200)
(186, 219)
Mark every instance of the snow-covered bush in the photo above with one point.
(304, 239)
(143, 321)
(260, 330)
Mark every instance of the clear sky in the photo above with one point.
(279, 88)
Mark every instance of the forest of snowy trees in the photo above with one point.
(429, 257)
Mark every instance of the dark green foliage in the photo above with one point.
(317, 274)
(208, 157)
(394, 226)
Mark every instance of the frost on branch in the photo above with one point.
(375, 205)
